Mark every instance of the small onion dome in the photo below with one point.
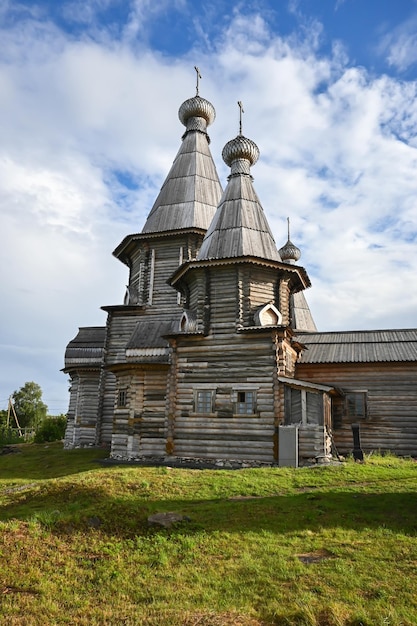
(240, 148)
(196, 113)
(289, 253)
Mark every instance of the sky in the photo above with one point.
(89, 99)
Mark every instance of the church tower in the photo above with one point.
(122, 399)
(235, 336)
(199, 361)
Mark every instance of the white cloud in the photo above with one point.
(400, 45)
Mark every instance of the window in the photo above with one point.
(204, 401)
(267, 315)
(355, 404)
(122, 398)
(245, 403)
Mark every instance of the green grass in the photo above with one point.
(325, 546)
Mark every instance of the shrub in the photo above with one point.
(8, 435)
(51, 429)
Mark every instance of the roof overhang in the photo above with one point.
(125, 248)
(304, 384)
(298, 273)
(124, 309)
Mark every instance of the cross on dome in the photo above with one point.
(198, 79)
(240, 105)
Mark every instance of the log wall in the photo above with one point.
(139, 428)
(69, 437)
(391, 422)
(83, 409)
(106, 407)
(154, 262)
(224, 362)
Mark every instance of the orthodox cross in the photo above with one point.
(198, 78)
(288, 226)
(240, 116)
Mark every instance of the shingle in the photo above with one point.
(87, 347)
(239, 227)
(376, 346)
(191, 191)
(149, 334)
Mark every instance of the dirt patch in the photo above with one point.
(315, 557)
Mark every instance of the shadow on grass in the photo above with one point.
(70, 508)
(43, 461)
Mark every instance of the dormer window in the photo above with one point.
(268, 315)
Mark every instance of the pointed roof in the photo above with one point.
(191, 192)
(239, 227)
(301, 317)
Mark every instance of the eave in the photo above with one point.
(125, 309)
(124, 249)
(294, 270)
(304, 384)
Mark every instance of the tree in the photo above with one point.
(51, 429)
(30, 409)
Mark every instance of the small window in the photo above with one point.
(267, 315)
(204, 401)
(355, 404)
(245, 402)
(122, 398)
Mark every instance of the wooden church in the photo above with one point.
(214, 353)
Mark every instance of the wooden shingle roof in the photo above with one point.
(240, 227)
(301, 317)
(150, 334)
(191, 192)
(363, 346)
(87, 348)
(148, 343)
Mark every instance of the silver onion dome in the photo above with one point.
(196, 113)
(240, 148)
(289, 253)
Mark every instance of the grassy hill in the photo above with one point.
(323, 546)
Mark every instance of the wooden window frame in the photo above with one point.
(352, 404)
(203, 400)
(244, 399)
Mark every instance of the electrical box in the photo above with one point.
(288, 446)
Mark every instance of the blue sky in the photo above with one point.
(89, 95)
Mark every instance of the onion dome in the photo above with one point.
(196, 114)
(239, 154)
(289, 253)
(239, 227)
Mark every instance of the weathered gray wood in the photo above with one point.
(192, 322)
(391, 401)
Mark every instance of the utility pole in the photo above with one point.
(10, 409)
